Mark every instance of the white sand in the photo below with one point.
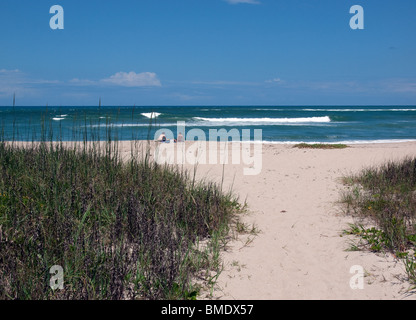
(299, 253)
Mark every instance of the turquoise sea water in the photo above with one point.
(278, 124)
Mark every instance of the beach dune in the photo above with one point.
(300, 251)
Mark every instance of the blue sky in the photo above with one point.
(208, 52)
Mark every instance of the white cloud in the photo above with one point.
(225, 83)
(197, 95)
(132, 79)
(9, 71)
(184, 97)
(243, 1)
(82, 82)
(275, 80)
(400, 85)
(19, 83)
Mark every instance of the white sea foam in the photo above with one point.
(347, 142)
(359, 110)
(151, 114)
(338, 110)
(262, 121)
(207, 124)
(58, 119)
(121, 125)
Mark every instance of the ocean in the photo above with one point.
(291, 124)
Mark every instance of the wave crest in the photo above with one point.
(324, 119)
(151, 114)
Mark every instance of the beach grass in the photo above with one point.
(120, 229)
(384, 200)
(319, 146)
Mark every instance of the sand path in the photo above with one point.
(299, 253)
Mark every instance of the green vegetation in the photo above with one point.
(120, 229)
(385, 199)
(319, 146)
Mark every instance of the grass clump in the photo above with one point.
(385, 197)
(119, 229)
(319, 146)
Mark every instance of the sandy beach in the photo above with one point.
(299, 252)
(229, 91)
